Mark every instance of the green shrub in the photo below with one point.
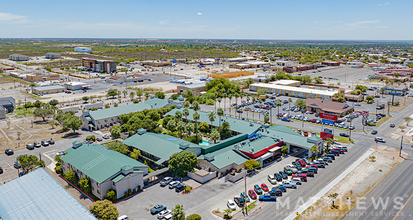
(115, 105)
(139, 188)
(135, 101)
(58, 169)
(107, 106)
(194, 217)
(187, 189)
(129, 192)
(111, 195)
(91, 138)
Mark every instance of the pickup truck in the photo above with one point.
(267, 197)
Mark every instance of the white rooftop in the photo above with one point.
(296, 89)
(284, 82)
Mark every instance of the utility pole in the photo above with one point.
(388, 108)
(245, 188)
(401, 147)
(349, 137)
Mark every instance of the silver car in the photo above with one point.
(288, 184)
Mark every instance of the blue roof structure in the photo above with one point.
(38, 196)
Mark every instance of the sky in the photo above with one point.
(225, 19)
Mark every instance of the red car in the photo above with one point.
(252, 194)
(302, 176)
(264, 187)
(305, 133)
(341, 151)
(265, 107)
(314, 120)
(301, 162)
(312, 165)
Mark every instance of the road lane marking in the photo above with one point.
(403, 207)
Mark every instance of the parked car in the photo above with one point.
(374, 132)
(239, 200)
(280, 187)
(45, 143)
(244, 196)
(158, 208)
(278, 176)
(272, 179)
(30, 146)
(1, 170)
(288, 184)
(285, 119)
(275, 192)
(99, 139)
(37, 144)
(296, 180)
(313, 169)
(17, 165)
(392, 125)
(267, 197)
(106, 136)
(301, 176)
(9, 151)
(379, 139)
(319, 165)
(231, 204)
(343, 148)
(163, 213)
(51, 142)
(264, 187)
(288, 171)
(252, 194)
(173, 184)
(166, 181)
(283, 175)
(332, 156)
(258, 189)
(327, 159)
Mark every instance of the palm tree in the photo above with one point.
(178, 115)
(190, 128)
(195, 106)
(225, 98)
(139, 94)
(124, 93)
(220, 113)
(215, 103)
(236, 103)
(219, 102)
(147, 96)
(185, 112)
(253, 114)
(248, 100)
(215, 135)
(314, 149)
(187, 104)
(196, 117)
(230, 99)
(289, 101)
(171, 125)
(241, 96)
(278, 104)
(258, 112)
(211, 117)
(180, 126)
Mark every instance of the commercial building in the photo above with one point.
(52, 55)
(107, 66)
(83, 49)
(19, 57)
(7, 105)
(104, 118)
(37, 195)
(41, 76)
(77, 86)
(293, 91)
(330, 63)
(287, 83)
(196, 88)
(329, 107)
(50, 89)
(106, 169)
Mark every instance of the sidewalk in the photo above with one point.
(327, 188)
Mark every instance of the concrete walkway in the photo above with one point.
(327, 188)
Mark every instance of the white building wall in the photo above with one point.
(131, 181)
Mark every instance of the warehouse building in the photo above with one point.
(330, 63)
(83, 49)
(107, 66)
(155, 63)
(106, 169)
(329, 107)
(50, 89)
(52, 55)
(37, 195)
(7, 105)
(77, 86)
(40, 76)
(293, 91)
(19, 57)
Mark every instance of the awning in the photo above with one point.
(86, 86)
(155, 173)
(91, 125)
(88, 118)
(272, 150)
(265, 156)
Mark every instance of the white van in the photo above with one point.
(296, 180)
(123, 217)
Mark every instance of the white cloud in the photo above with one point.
(187, 22)
(384, 4)
(382, 26)
(199, 13)
(315, 22)
(164, 22)
(11, 17)
(360, 23)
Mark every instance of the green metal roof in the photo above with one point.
(224, 143)
(225, 157)
(237, 125)
(159, 145)
(97, 162)
(315, 138)
(283, 133)
(154, 103)
(257, 145)
(118, 178)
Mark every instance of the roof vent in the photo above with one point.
(141, 131)
(152, 96)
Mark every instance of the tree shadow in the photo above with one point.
(71, 135)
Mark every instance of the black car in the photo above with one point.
(335, 152)
(282, 188)
(297, 165)
(37, 144)
(51, 141)
(17, 165)
(239, 201)
(258, 189)
(276, 192)
(30, 146)
(180, 187)
(374, 132)
(239, 111)
(344, 135)
(392, 125)
(331, 155)
(312, 169)
(283, 174)
(98, 139)
(278, 177)
(1, 170)
(9, 152)
(45, 143)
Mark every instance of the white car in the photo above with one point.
(173, 184)
(123, 217)
(272, 179)
(296, 181)
(163, 213)
(231, 204)
(288, 184)
(168, 216)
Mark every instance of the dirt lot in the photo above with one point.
(40, 131)
(354, 186)
(405, 129)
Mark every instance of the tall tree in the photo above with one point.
(220, 113)
(124, 93)
(190, 127)
(196, 117)
(178, 115)
(29, 162)
(180, 127)
(182, 162)
(132, 95)
(185, 113)
(104, 210)
(171, 125)
(211, 117)
(178, 212)
(215, 135)
(139, 94)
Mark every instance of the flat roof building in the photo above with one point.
(195, 88)
(19, 57)
(7, 105)
(50, 89)
(77, 86)
(106, 169)
(293, 91)
(330, 107)
(287, 83)
(52, 55)
(107, 66)
(37, 195)
(83, 49)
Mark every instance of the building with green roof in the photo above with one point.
(106, 169)
(157, 148)
(103, 118)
